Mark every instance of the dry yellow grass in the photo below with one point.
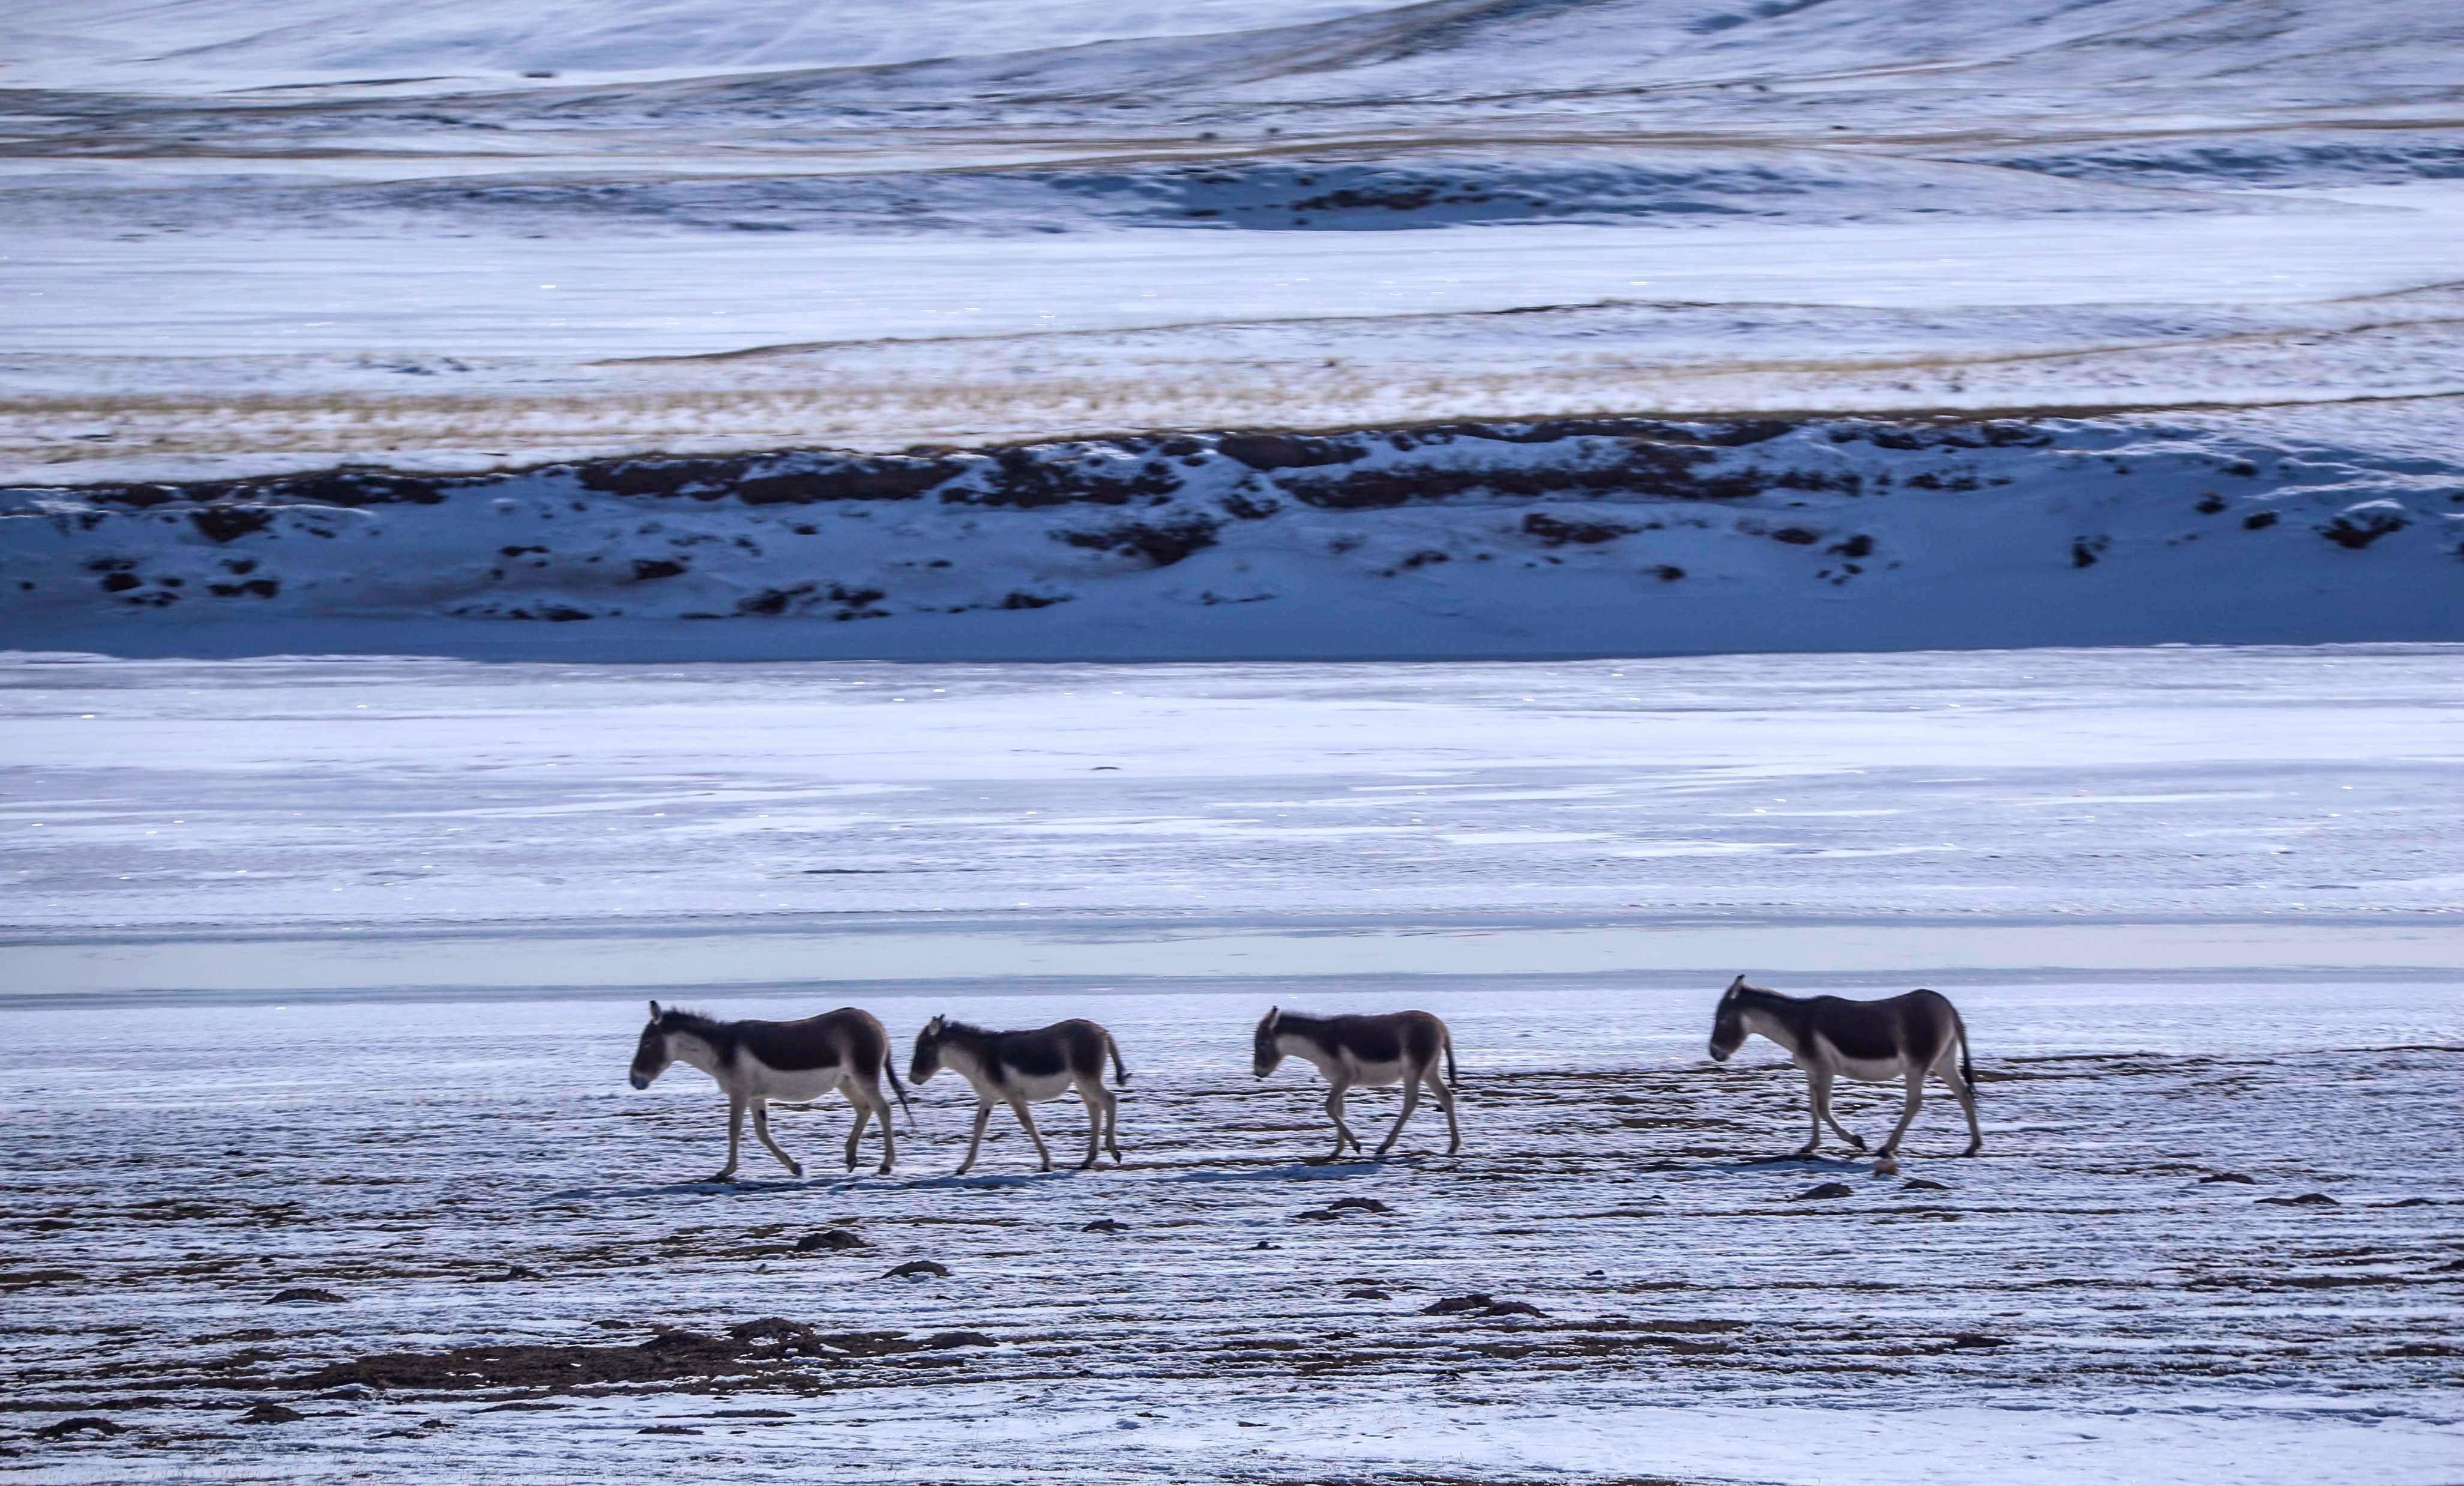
(888, 397)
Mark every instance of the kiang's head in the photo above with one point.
(655, 1053)
(1729, 1022)
(928, 1051)
(1267, 1048)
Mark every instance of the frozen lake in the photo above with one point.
(444, 828)
(325, 973)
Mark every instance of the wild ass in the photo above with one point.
(1904, 1037)
(1400, 1047)
(756, 1062)
(1022, 1068)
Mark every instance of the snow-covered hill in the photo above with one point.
(1533, 538)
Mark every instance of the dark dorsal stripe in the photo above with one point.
(1918, 1025)
(1034, 1053)
(1071, 1046)
(1366, 1039)
(809, 1045)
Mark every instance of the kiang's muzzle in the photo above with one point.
(640, 1082)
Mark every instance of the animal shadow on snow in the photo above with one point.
(1790, 1164)
(706, 1188)
(997, 1179)
(1316, 1169)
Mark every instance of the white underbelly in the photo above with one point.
(794, 1085)
(1376, 1075)
(1035, 1090)
(1866, 1070)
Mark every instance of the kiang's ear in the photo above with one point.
(1737, 984)
(1274, 1014)
(654, 1010)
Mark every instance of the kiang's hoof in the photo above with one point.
(1886, 1166)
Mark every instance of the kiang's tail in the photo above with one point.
(1450, 1062)
(889, 1066)
(1121, 1074)
(1966, 1069)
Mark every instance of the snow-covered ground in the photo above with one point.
(2085, 1301)
(323, 975)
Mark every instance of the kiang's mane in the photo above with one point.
(722, 1035)
(963, 1029)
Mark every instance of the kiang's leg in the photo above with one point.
(1411, 1102)
(1026, 1117)
(1907, 1111)
(863, 1108)
(1335, 1111)
(1092, 1094)
(1445, 1099)
(1948, 1070)
(761, 1129)
(735, 1138)
(1817, 1100)
(888, 1133)
(1833, 1121)
(983, 1113)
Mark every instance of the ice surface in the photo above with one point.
(2177, 785)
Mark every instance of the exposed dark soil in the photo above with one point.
(777, 1353)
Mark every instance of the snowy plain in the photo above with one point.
(324, 974)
